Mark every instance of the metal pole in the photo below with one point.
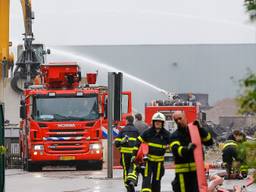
(110, 122)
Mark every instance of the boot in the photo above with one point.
(130, 187)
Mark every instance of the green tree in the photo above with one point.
(247, 100)
(251, 8)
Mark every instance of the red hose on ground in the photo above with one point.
(215, 181)
(249, 181)
(237, 188)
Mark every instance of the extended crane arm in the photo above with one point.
(29, 61)
(6, 59)
(27, 15)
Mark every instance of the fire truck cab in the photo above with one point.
(62, 121)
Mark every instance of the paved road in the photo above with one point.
(78, 181)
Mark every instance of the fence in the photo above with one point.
(12, 157)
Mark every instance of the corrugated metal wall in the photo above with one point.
(211, 69)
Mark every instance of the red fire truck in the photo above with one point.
(62, 120)
(168, 107)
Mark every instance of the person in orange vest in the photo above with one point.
(182, 149)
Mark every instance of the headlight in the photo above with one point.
(39, 147)
(95, 146)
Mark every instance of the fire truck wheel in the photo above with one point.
(24, 163)
(96, 165)
(81, 167)
(32, 167)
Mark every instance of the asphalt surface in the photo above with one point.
(83, 181)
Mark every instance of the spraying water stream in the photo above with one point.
(93, 62)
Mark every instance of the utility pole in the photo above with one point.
(115, 84)
(111, 86)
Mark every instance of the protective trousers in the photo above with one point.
(126, 164)
(244, 170)
(153, 173)
(185, 182)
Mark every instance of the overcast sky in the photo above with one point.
(86, 22)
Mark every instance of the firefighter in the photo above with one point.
(182, 149)
(232, 162)
(125, 142)
(158, 140)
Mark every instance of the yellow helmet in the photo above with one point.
(158, 117)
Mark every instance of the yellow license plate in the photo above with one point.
(67, 158)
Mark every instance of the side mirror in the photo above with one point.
(23, 111)
(79, 76)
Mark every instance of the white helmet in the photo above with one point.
(158, 117)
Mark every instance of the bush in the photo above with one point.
(2, 150)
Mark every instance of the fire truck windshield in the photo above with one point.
(63, 108)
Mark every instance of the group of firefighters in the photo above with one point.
(159, 141)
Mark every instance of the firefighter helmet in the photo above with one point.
(158, 117)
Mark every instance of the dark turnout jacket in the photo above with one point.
(131, 133)
(157, 142)
(180, 140)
